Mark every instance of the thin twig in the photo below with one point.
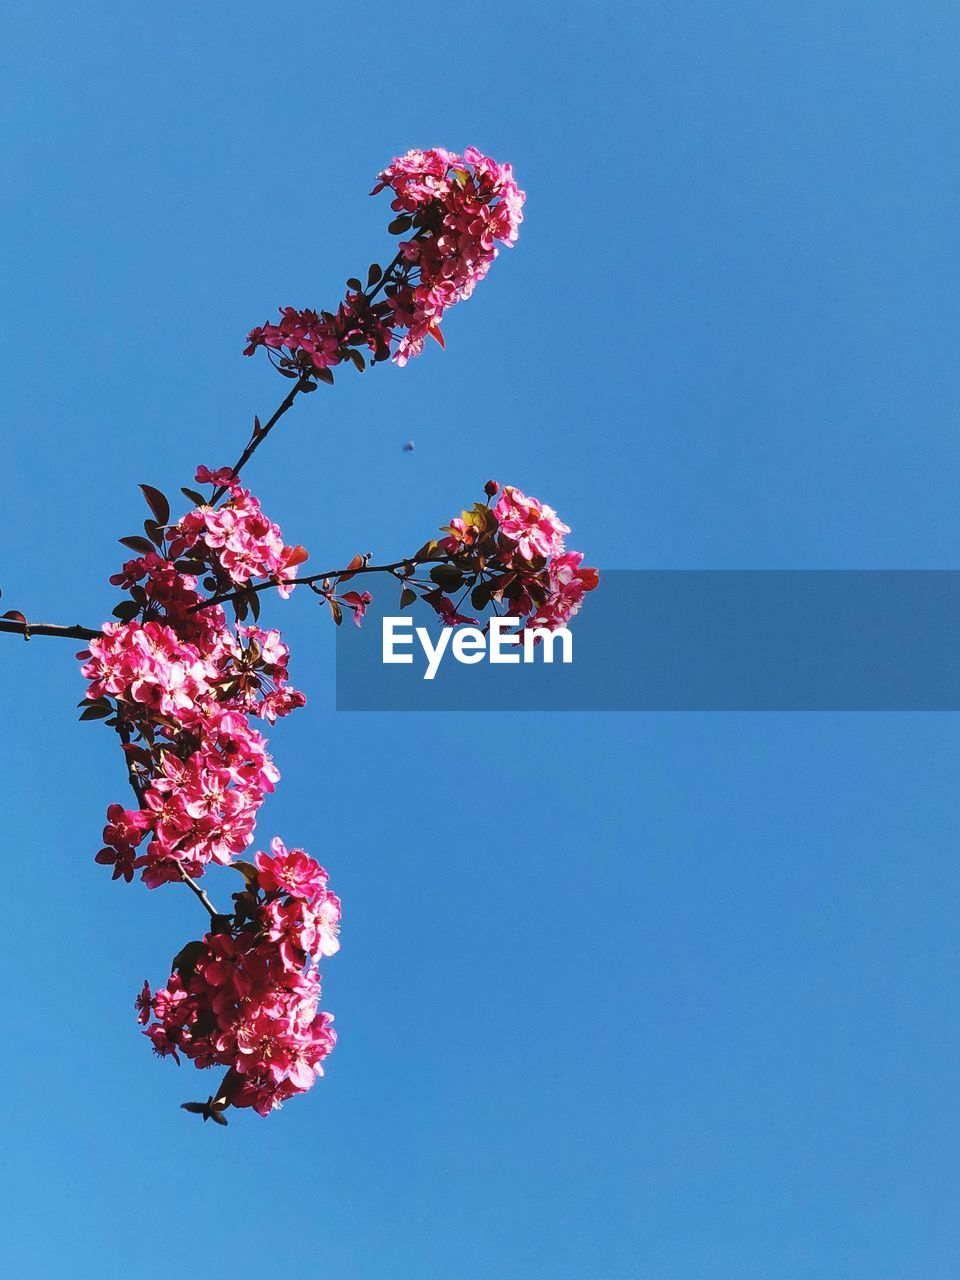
(192, 884)
(314, 577)
(260, 435)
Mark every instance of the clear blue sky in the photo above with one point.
(671, 997)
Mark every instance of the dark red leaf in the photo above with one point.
(157, 503)
(355, 563)
(136, 543)
(296, 555)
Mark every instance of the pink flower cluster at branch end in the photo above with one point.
(183, 688)
(463, 205)
(537, 534)
(458, 208)
(511, 556)
(246, 996)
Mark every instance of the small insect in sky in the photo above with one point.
(408, 447)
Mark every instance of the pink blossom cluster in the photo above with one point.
(315, 341)
(236, 536)
(246, 996)
(187, 690)
(511, 555)
(183, 688)
(534, 528)
(459, 207)
(462, 206)
(538, 534)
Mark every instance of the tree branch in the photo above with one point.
(258, 437)
(30, 629)
(192, 885)
(409, 563)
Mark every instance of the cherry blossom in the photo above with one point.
(459, 207)
(245, 997)
(511, 557)
(189, 679)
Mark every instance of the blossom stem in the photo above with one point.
(393, 568)
(30, 629)
(195, 888)
(261, 434)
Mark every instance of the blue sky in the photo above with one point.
(670, 996)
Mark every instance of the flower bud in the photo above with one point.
(491, 488)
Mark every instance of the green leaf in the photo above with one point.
(374, 274)
(399, 225)
(407, 597)
(336, 611)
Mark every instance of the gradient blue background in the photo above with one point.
(671, 997)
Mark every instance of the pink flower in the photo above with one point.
(568, 584)
(460, 535)
(143, 1005)
(357, 601)
(446, 609)
(534, 527)
(125, 827)
(223, 476)
(122, 860)
(290, 871)
(248, 1000)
